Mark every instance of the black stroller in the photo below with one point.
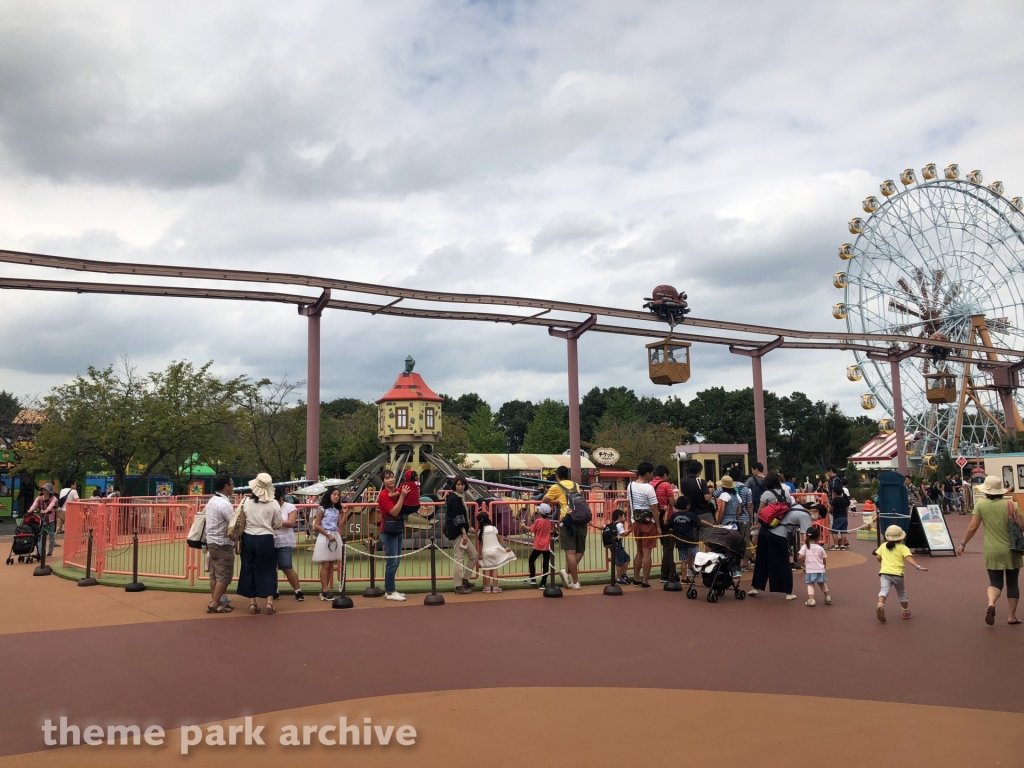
(717, 566)
(26, 540)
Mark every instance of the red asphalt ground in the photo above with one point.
(161, 671)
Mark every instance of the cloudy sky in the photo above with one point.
(583, 151)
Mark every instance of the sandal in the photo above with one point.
(217, 609)
(253, 609)
(271, 610)
(1013, 623)
(990, 615)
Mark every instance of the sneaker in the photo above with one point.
(299, 597)
(906, 614)
(622, 581)
(752, 593)
(542, 586)
(636, 583)
(225, 600)
(880, 613)
(277, 595)
(565, 577)
(531, 580)
(460, 590)
(828, 599)
(645, 585)
(690, 575)
(575, 585)
(398, 597)
(326, 596)
(791, 597)
(663, 580)
(810, 603)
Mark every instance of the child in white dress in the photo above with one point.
(493, 554)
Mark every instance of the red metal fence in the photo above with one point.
(163, 523)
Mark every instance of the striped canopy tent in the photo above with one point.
(519, 461)
(879, 452)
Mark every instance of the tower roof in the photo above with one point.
(410, 386)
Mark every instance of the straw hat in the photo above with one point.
(894, 533)
(727, 482)
(262, 487)
(992, 486)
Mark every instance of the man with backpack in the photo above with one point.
(696, 490)
(572, 535)
(755, 483)
(663, 490)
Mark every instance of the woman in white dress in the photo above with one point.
(330, 545)
(493, 554)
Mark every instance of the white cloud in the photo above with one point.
(581, 151)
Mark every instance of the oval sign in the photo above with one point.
(605, 456)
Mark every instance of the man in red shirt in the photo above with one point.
(666, 497)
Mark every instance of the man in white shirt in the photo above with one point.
(219, 512)
(643, 506)
(68, 494)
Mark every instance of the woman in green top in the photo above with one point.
(995, 511)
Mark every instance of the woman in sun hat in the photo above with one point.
(892, 555)
(1001, 562)
(258, 574)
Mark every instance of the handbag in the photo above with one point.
(394, 527)
(637, 515)
(1013, 528)
(197, 533)
(237, 525)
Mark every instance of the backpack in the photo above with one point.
(682, 528)
(609, 535)
(579, 512)
(63, 498)
(773, 513)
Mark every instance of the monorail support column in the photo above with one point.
(570, 336)
(313, 312)
(894, 357)
(760, 433)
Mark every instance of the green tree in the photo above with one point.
(514, 418)
(454, 442)
(9, 407)
(188, 411)
(343, 406)
(637, 441)
(348, 436)
(464, 406)
(592, 408)
(272, 429)
(484, 435)
(549, 430)
(146, 423)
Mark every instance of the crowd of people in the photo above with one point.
(780, 536)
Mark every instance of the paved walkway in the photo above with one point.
(495, 681)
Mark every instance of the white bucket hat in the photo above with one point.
(894, 533)
(992, 486)
(262, 487)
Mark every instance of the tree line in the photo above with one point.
(117, 420)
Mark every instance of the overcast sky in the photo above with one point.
(562, 150)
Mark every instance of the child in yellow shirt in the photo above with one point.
(892, 555)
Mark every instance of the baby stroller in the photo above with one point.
(26, 540)
(717, 566)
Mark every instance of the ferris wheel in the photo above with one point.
(942, 257)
